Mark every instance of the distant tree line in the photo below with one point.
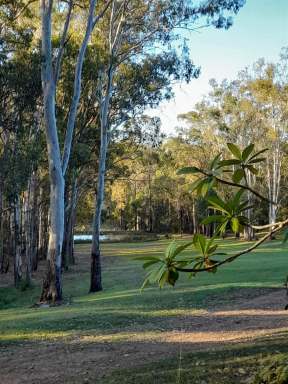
(251, 108)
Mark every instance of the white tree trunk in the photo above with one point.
(52, 286)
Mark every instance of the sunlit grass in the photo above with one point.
(121, 303)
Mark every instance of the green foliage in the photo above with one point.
(165, 271)
(206, 183)
(275, 371)
(244, 161)
(230, 215)
(232, 212)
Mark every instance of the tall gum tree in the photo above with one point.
(135, 27)
(58, 163)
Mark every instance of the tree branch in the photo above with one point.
(77, 88)
(62, 42)
(226, 182)
(280, 226)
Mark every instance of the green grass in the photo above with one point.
(228, 366)
(121, 305)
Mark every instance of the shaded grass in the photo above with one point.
(121, 306)
(238, 364)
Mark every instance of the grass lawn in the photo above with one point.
(111, 316)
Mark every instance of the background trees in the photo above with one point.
(135, 52)
(235, 112)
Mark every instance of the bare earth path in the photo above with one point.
(86, 358)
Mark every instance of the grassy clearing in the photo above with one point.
(121, 307)
(121, 301)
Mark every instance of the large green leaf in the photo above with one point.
(236, 199)
(221, 228)
(212, 249)
(215, 162)
(213, 219)
(199, 242)
(188, 170)
(229, 162)
(156, 274)
(238, 175)
(252, 169)
(235, 225)
(163, 279)
(235, 150)
(174, 249)
(218, 204)
(195, 184)
(258, 160)
(247, 151)
(258, 153)
(151, 262)
(173, 276)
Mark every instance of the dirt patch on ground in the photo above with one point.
(86, 358)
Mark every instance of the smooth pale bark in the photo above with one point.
(52, 286)
(77, 88)
(273, 179)
(248, 231)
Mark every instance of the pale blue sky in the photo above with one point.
(259, 30)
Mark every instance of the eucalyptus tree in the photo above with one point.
(58, 161)
(135, 29)
(251, 107)
(267, 86)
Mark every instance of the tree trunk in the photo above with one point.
(52, 283)
(96, 274)
(43, 220)
(1, 229)
(16, 242)
(68, 243)
(194, 219)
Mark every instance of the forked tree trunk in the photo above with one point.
(52, 287)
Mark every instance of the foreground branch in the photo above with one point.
(278, 227)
